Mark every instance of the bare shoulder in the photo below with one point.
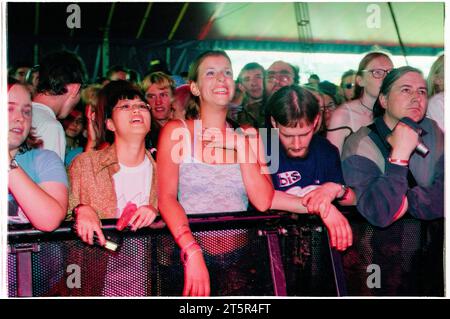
(341, 114)
(176, 127)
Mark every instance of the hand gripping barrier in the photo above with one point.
(247, 254)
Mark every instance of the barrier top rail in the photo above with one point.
(26, 232)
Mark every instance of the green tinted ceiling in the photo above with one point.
(420, 24)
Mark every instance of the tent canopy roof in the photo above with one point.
(336, 24)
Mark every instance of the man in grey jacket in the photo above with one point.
(380, 161)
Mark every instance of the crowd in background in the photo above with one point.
(89, 151)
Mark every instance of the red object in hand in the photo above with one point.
(127, 213)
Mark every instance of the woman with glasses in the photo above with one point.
(206, 166)
(106, 181)
(350, 116)
(114, 182)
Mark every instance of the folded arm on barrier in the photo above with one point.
(379, 195)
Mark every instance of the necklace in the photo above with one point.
(365, 106)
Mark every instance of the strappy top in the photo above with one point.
(207, 188)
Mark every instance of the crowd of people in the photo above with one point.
(176, 147)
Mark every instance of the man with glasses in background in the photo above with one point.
(280, 74)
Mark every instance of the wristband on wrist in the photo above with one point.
(396, 161)
(184, 256)
(186, 231)
(185, 262)
(181, 231)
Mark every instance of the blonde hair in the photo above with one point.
(89, 95)
(436, 72)
(158, 78)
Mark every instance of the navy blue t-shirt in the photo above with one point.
(322, 164)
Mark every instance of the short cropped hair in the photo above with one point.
(58, 69)
(248, 67)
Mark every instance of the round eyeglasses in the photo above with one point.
(128, 107)
(378, 73)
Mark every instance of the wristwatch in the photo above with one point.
(13, 164)
(344, 195)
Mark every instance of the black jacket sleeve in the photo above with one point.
(379, 196)
(428, 202)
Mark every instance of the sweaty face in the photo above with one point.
(295, 140)
(279, 74)
(252, 83)
(160, 98)
(407, 98)
(19, 115)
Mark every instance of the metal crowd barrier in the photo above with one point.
(247, 254)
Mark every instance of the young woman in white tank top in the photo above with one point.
(219, 165)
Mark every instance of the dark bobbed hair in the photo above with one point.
(32, 141)
(387, 84)
(108, 97)
(115, 91)
(369, 57)
(58, 69)
(290, 104)
(193, 108)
